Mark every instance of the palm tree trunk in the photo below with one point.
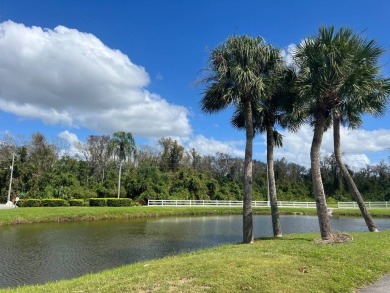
(318, 188)
(271, 183)
(351, 184)
(247, 207)
(119, 178)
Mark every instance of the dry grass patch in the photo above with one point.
(336, 237)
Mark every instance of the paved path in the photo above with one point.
(380, 286)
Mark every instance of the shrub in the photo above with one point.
(29, 202)
(53, 202)
(97, 202)
(119, 202)
(76, 202)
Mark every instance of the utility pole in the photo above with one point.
(10, 180)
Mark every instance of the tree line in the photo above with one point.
(164, 171)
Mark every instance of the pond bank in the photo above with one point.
(68, 214)
(294, 263)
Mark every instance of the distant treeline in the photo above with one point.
(166, 171)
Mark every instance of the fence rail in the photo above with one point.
(369, 205)
(227, 203)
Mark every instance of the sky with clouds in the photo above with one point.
(75, 68)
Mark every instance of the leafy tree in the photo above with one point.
(237, 68)
(172, 154)
(95, 151)
(122, 147)
(41, 156)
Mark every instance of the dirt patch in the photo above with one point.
(336, 237)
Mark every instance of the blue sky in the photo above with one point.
(74, 68)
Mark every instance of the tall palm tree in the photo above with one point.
(275, 107)
(237, 68)
(319, 70)
(364, 91)
(122, 146)
(333, 73)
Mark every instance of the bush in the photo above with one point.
(76, 202)
(53, 202)
(119, 202)
(97, 202)
(29, 202)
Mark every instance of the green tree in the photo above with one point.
(172, 154)
(122, 146)
(361, 90)
(274, 107)
(333, 73)
(316, 58)
(237, 68)
(41, 157)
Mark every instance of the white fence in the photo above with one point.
(259, 204)
(227, 203)
(369, 205)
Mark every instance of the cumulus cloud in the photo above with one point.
(69, 137)
(63, 76)
(210, 146)
(69, 144)
(355, 144)
(288, 52)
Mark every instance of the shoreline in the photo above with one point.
(25, 215)
(293, 263)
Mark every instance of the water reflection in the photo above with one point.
(38, 253)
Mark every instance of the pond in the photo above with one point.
(39, 253)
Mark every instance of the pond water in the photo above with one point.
(39, 253)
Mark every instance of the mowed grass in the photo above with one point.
(294, 263)
(65, 214)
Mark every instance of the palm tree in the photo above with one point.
(364, 91)
(275, 107)
(122, 146)
(333, 73)
(319, 69)
(237, 68)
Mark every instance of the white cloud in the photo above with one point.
(69, 143)
(210, 146)
(63, 76)
(288, 53)
(69, 137)
(356, 145)
(356, 161)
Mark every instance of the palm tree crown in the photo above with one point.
(122, 146)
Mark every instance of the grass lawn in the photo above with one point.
(294, 263)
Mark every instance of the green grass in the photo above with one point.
(294, 263)
(64, 214)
